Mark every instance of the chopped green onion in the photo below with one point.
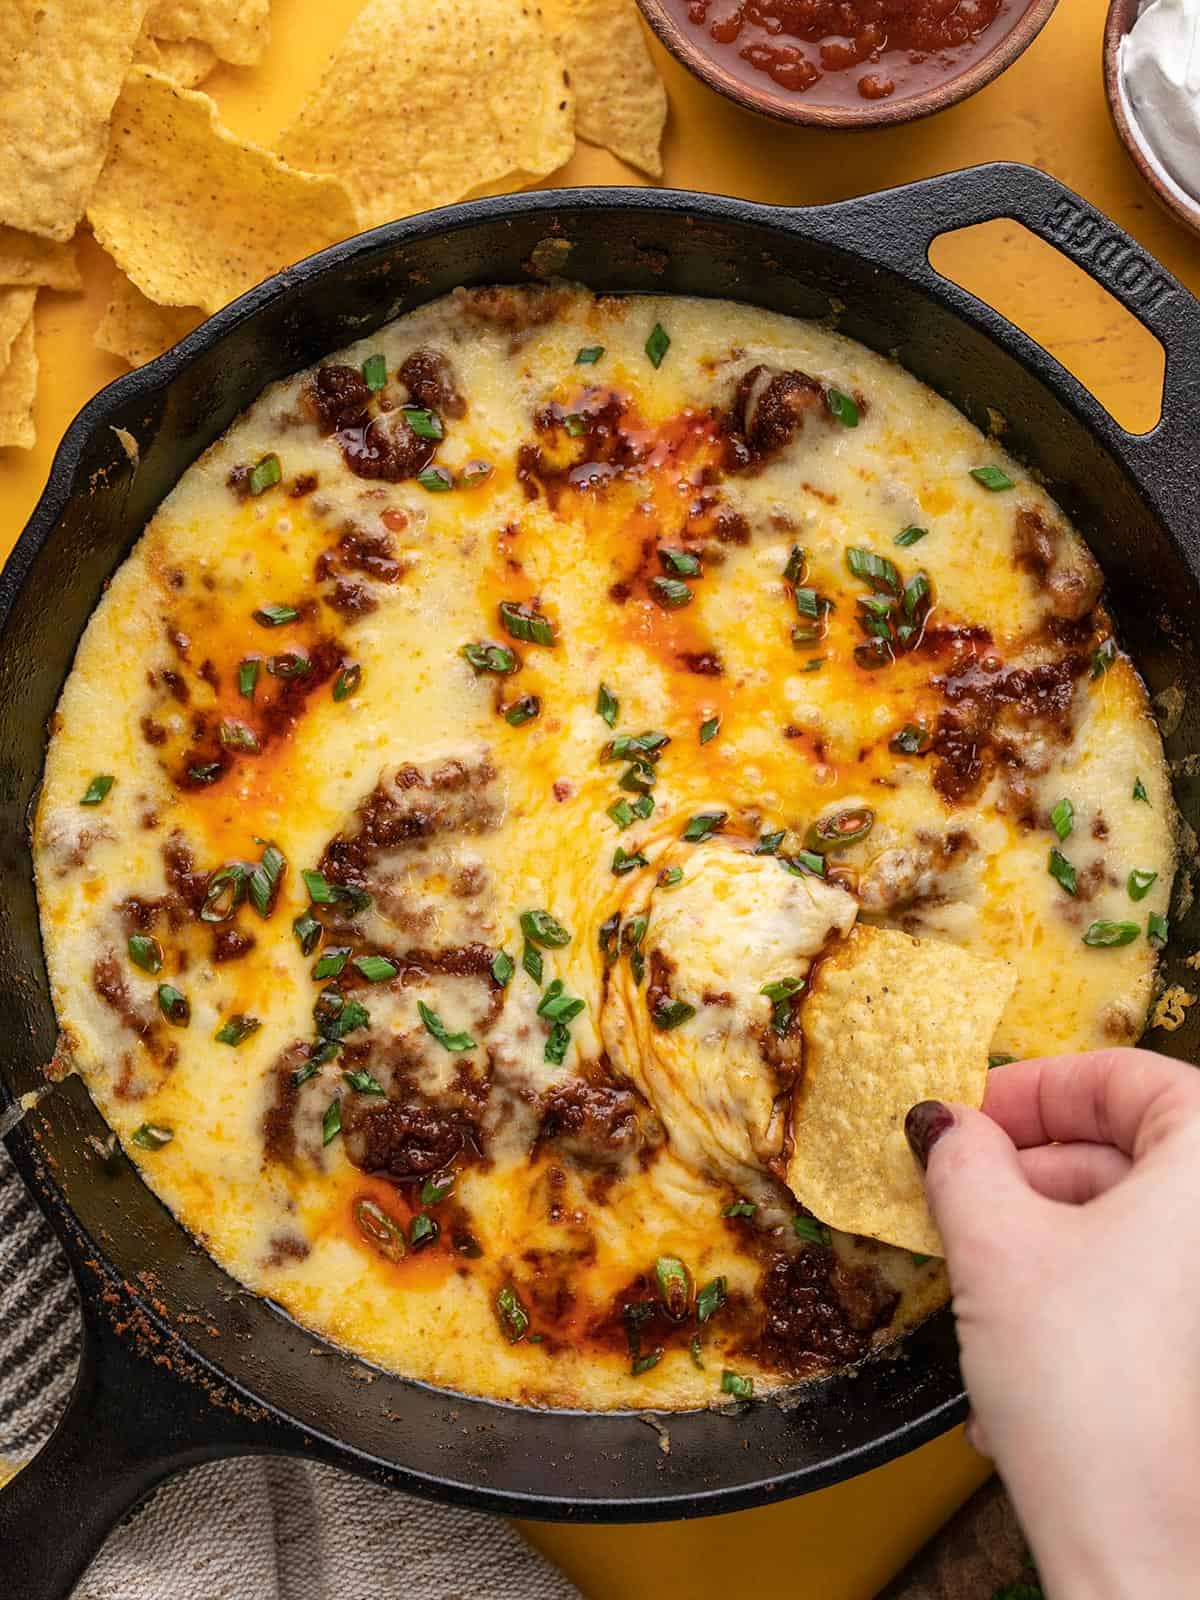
(809, 603)
(174, 1006)
(363, 1082)
(514, 1319)
(557, 1044)
(606, 937)
(502, 968)
(275, 616)
(456, 1043)
(264, 881)
(248, 676)
(794, 569)
(671, 592)
(474, 472)
(208, 773)
(557, 1006)
(336, 1016)
(320, 891)
(840, 829)
(376, 969)
(709, 729)
(626, 745)
(575, 424)
(782, 989)
(992, 478)
(740, 1208)
(809, 1228)
(1000, 1060)
(331, 962)
(670, 1014)
(815, 664)
(435, 480)
(265, 475)
(622, 813)
(308, 932)
(711, 1298)
(425, 424)
(704, 825)
(237, 1028)
(1061, 870)
(1106, 935)
(524, 710)
(804, 861)
(374, 371)
(694, 1350)
(682, 562)
(497, 658)
(643, 806)
(842, 407)
(145, 952)
(1139, 883)
(674, 1285)
(539, 927)
(769, 844)
(733, 1383)
(376, 1227)
(668, 877)
(331, 1122)
(916, 596)
(607, 705)
(657, 345)
(526, 624)
(1157, 930)
(1062, 819)
(874, 569)
(152, 1136)
(531, 961)
(291, 664)
(917, 1259)
(589, 355)
(236, 735)
(910, 536)
(226, 891)
(1103, 657)
(1139, 791)
(638, 778)
(912, 740)
(623, 862)
(651, 1359)
(433, 1192)
(422, 1230)
(97, 789)
(347, 681)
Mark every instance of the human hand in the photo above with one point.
(1070, 1212)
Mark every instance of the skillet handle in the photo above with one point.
(129, 1424)
(898, 227)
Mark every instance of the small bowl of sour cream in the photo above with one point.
(1152, 76)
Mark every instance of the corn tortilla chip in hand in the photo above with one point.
(195, 215)
(620, 101)
(889, 1020)
(61, 68)
(425, 104)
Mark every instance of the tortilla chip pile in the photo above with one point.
(101, 125)
(889, 1020)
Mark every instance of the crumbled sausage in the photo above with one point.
(1065, 571)
(429, 379)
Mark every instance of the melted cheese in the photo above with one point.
(161, 658)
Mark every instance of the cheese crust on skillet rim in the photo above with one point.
(506, 717)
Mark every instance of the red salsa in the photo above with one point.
(835, 50)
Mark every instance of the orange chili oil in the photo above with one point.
(837, 51)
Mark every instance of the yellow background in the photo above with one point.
(1048, 109)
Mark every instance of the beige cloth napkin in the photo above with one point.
(251, 1529)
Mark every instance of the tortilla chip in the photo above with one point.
(18, 385)
(194, 215)
(238, 30)
(136, 329)
(186, 61)
(620, 101)
(61, 69)
(889, 1020)
(26, 259)
(425, 104)
(16, 308)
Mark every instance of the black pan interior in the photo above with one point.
(831, 263)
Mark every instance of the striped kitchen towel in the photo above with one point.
(250, 1529)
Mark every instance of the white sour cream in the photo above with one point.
(1160, 82)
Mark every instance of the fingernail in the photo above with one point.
(925, 1124)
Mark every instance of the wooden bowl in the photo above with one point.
(1122, 14)
(688, 47)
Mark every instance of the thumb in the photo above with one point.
(973, 1176)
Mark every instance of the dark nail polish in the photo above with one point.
(925, 1124)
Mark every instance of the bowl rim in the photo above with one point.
(781, 106)
(1122, 14)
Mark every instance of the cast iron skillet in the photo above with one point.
(180, 1365)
